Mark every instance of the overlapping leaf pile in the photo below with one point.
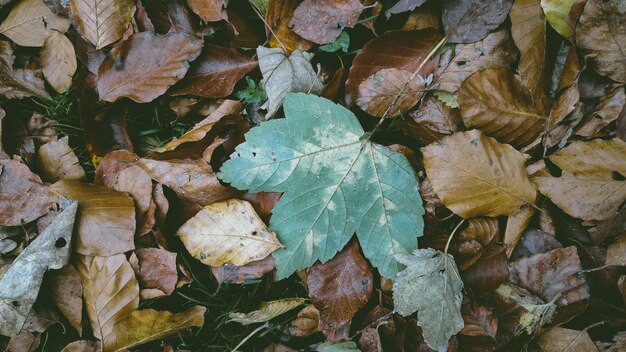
(255, 175)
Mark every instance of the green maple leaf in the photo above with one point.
(335, 184)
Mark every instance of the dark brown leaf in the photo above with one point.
(489, 271)
(479, 320)
(56, 161)
(322, 21)
(15, 84)
(431, 122)
(608, 110)
(386, 87)
(468, 21)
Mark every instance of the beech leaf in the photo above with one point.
(336, 184)
(380, 90)
(267, 311)
(30, 22)
(13, 85)
(58, 61)
(102, 22)
(209, 10)
(323, 21)
(468, 21)
(432, 287)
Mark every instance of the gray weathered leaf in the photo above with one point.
(430, 285)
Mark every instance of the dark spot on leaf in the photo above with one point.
(119, 64)
(16, 303)
(60, 243)
(254, 233)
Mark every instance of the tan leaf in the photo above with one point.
(67, 292)
(227, 232)
(23, 197)
(56, 161)
(102, 22)
(616, 252)
(142, 326)
(601, 32)
(192, 180)
(323, 21)
(592, 185)
(515, 226)
(496, 50)
(279, 14)
(106, 218)
(474, 175)
(58, 61)
(145, 65)
(495, 101)
(30, 22)
(25, 341)
(607, 111)
(380, 90)
(267, 311)
(110, 291)
(431, 122)
(209, 10)
(13, 84)
(559, 339)
(157, 269)
(83, 346)
(306, 323)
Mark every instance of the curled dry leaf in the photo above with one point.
(56, 161)
(106, 218)
(25, 341)
(525, 312)
(283, 74)
(515, 226)
(306, 323)
(340, 287)
(110, 292)
(431, 122)
(58, 61)
(496, 102)
(14, 84)
(192, 180)
(389, 86)
(534, 242)
(607, 111)
(591, 185)
(559, 339)
(102, 22)
(474, 175)
(601, 33)
(157, 269)
(215, 73)
(267, 311)
(404, 50)
(209, 10)
(278, 16)
(322, 21)
(30, 22)
(468, 21)
(67, 292)
(227, 232)
(239, 274)
(142, 326)
(145, 65)
(20, 281)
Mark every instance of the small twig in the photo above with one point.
(267, 323)
(580, 333)
(452, 235)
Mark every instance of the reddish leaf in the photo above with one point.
(157, 269)
(479, 321)
(431, 122)
(209, 10)
(489, 271)
(322, 21)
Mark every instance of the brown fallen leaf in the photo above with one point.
(16, 84)
(227, 232)
(468, 21)
(489, 271)
(215, 73)
(431, 122)
(515, 226)
(616, 252)
(56, 161)
(386, 87)
(608, 110)
(495, 101)
(239, 274)
(559, 339)
(25, 341)
(322, 21)
(145, 65)
(83, 346)
(340, 287)
(58, 61)
(102, 22)
(591, 185)
(192, 180)
(209, 10)
(474, 175)
(105, 223)
(306, 322)
(157, 269)
(110, 292)
(404, 50)
(472, 241)
(23, 197)
(30, 22)
(601, 33)
(535, 242)
(67, 291)
(279, 33)
(479, 320)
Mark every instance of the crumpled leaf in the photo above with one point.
(353, 184)
(267, 311)
(227, 232)
(20, 282)
(323, 21)
(559, 339)
(479, 321)
(56, 161)
(142, 326)
(530, 311)
(58, 61)
(601, 32)
(558, 15)
(145, 65)
(474, 175)
(306, 323)
(432, 286)
(431, 122)
(13, 83)
(380, 90)
(102, 22)
(591, 185)
(67, 292)
(283, 74)
(209, 10)
(468, 21)
(30, 22)
(340, 287)
(106, 218)
(607, 111)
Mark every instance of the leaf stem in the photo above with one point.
(267, 323)
(452, 235)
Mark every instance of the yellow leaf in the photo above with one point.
(557, 14)
(267, 311)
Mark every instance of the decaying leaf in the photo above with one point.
(58, 61)
(468, 21)
(105, 222)
(306, 323)
(20, 282)
(283, 74)
(348, 346)
(67, 292)
(560, 339)
(15, 83)
(533, 312)
(387, 87)
(30, 22)
(280, 35)
(515, 226)
(102, 22)
(83, 346)
(56, 161)
(227, 232)
(145, 65)
(322, 21)
(157, 270)
(340, 287)
(607, 111)
(267, 311)
(474, 175)
(209, 10)
(431, 122)
(591, 185)
(479, 321)
(616, 252)
(240, 274)
(432, 286)
(337, 172)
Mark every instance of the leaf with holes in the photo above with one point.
(336, 184)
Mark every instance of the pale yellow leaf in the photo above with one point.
(267, 311)
(557, 13)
